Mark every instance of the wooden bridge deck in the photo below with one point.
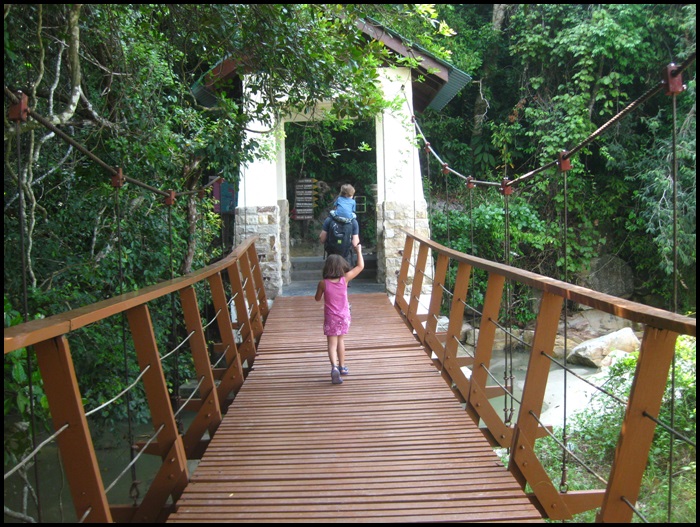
(390, 444)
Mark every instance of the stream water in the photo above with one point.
(112, 451)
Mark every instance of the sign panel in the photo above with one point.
(304, 199)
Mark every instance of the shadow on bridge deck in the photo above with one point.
(308, 287)
(390, 444)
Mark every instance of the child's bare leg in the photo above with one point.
(341, 351)
(333, 349)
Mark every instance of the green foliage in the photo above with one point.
(24, 402)
(482, 232)
(334, 152)
(595, 431)
(545, 80)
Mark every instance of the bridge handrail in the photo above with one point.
(613, 305)
(33, 331)
(49, 338)
(661, 329)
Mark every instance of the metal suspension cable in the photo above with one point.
(563, 366)
(563, 482)
(508, 351)
(34, 452)
(413, 174)
(566, 155)
(151, 439)
(447, 211)
(111, 170)
(472, 277)
(125, 391)
(25, 302)
(674, 180)
(173, 327)
(430, 186)
(134, 491)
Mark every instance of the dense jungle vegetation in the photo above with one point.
(118, 79)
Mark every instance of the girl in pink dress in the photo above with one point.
(336, 312)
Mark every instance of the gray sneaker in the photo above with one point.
(335, 376)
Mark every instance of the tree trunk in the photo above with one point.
(191, 234)
(481, 105)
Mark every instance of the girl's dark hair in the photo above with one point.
(335, 266)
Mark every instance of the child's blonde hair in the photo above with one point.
(347, 190)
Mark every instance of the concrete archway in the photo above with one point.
(263, 207)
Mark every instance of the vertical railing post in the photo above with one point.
(208, 414)
(248, 345)
(433, 340)
(256, 272)
(524, 463)
(637, 431)
(414, 318)
(450, 363)
(400, 299)
(172, 477)
(251, 297)
(477, 402)
(75, 443)
(232, 378)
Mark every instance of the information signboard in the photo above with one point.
(305, 197)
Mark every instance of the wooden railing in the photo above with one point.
(236, 278)
(657, 348)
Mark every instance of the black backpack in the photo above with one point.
(339, 239)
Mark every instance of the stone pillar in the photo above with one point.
(265, 222)
(394, 216)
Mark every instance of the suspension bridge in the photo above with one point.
(411, 435)
(408, 437)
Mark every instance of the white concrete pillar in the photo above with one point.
(401, 203)
(262, 207)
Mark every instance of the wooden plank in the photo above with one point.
(390, 444)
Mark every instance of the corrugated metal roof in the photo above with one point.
(204, 96)
(457, 80)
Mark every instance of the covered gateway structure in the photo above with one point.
(262, 206)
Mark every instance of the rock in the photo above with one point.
(560, 344)
(593, 352)
(610, 274)
(613, 357)
(465, 332)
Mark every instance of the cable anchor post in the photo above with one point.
(118, 179)
(445, 169)
(564, 161)
(672, 80)
(470, 182)
(19, 111)
(506, 189)
(170, 198)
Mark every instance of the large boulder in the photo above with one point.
(593, 352)
(610, 274)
